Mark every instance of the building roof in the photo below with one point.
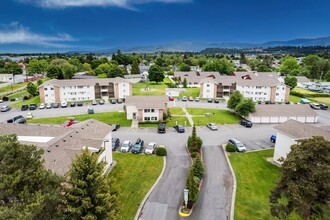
(66, 142)
(302, 79)
(142, 102)
(82, 82)
(283, 110)
(301, 130)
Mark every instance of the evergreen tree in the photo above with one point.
(185, 83)
(192, 185)
(198, 167)
(88, 192)
(135, 68)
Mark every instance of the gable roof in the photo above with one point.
(142, 102)
(283, 110)
(82, 82)
(302, 79)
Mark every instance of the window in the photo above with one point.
(152, 110)
(147, 118)
(277, 93)
(207, 85)
(153, 118)
(80, 87)
(124, 84)
(146, 110)
(258, 87)
(265, 93)
(283, 88)
(207, 90)
(45, 88)
(46, 95)
(51, 88)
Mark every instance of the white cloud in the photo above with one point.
(16, 33)
(95, 3)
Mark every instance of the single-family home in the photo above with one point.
(146, 108)
(291, 131)
(84, 89)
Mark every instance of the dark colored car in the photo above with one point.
(323, 107)
(24, 107)
(138, 146)
(101, 102)
(113, 101)
(33, 106)
(56, 105)
(246, 123)
(179, 128)
(273, 138)
(72, 104)
(80, 104)
(90, 111)
(115, 143)
(216, 100)
(115, 127)
(161, 128)
(209, 100)
(119, 101)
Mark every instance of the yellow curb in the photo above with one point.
(184, 214)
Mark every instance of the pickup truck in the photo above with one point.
(17, 120)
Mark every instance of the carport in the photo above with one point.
(279, 113)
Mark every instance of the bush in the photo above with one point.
(230, 148)
(194, 154)
(198, 167)
(161, 151)
(191, 147)
(5, 98)
(26, 97)
(13, 100)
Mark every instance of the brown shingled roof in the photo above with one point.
(142, 102)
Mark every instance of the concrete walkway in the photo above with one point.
(135, 124)
(188, 116)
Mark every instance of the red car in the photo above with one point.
(69, 122)
(171, 98)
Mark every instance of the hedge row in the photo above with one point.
(312, 95)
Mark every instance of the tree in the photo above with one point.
(156, 74)
(243, 59)
(88, 193)
(222, 65)
(28, 190)
(135, 68)
(290, 81)
(103, 68)
(245, 107)
(39, 82)
(13, 68)
(289, 66)
(253, 63)
(184, 67)
(68, 70)
(54, 71)
(235, 98)
(34, 67)
(313, 65)
(87, 67)
(184, 83)
(263, 68)
(31, 89)
(198, 167)
(304, 184)
(192, 185)
(116, 72)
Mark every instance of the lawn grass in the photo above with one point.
(35, 100)
(180, 121)
(217, 116)
(155, 88)
(324, 100)
(167, 80)
(293, 98)
(305, 91)
(194, 92)
(133, 176)
(106, 117)
(11, 87)
(176, 111)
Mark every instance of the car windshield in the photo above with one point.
(239, 144)
(150, 146)
(125, 144)
(212, 124)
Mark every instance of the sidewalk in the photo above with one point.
(188, 116)
(135, 124)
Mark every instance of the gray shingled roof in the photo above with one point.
(302, 79)
(283, 110)
(142, 102)
(83, 82)
(301, 130)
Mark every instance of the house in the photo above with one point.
(193, 79)
(281, 113)
(62, 144)
(317, 86)
(291, 131)
(84, 89)
(146, 108)
(301, 80)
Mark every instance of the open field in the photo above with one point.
(215, 116)
(154, 88)
(18, 104)
(324, 100)
(293, 98)
(106, 117)
(176, 111)
(133, 176)
(194, 92)
(12, 87)
(305, 91)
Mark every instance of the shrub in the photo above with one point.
(12, 99)
(194, 147)
(198, 167)
(161, 151)
(26, 97)
(192, 185)
(5, 98)
(230, 148)
(194, 154)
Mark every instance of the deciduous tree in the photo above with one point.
(235, 98)
(135, 68)
(31, 88)
(290, 81)
(156, 74)
(245, 107)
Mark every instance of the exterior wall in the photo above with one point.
(201, 94)
(123, 90)
(130, 109)
(172, 93)
(282, 145)
(281, 119)
(57, 94)
(42, 94)
(208, 90)
(150, 115)
(287, 94)
(76, 93)
(49, 94)
(257, 93)
(272, 94)
(280, 93)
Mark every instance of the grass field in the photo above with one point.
(155, 88)
(324, 100)
(305, 91)
(134, 175)
(35, 100)
(179, 119)
(217, 116)
(293, 98)
(11, 87)
(167, 80)
(106, 117)
(176, 111)
(194, 92)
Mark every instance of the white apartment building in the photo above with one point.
(84, 89)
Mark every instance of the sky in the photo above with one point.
(88, 25)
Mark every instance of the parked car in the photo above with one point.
(115, 127)
(323, 107)
(150, 149)
(246, 123)
(119, 101)
(94, 102)
(17, 120)
(304, 101)
(33, 106)
(80, 104)
(115, 143)
(315, 106)
(72, 104)
(56, 105)
(138, 146)
(273, 138)
(1, 101)
(29, 115)
(179, 128)
(42, 106)
(161, 128)
(212, 126)
(209, 100)
(216, 100)
(64, 104)
(126, 146)
(24, 107)
(184, 98)
(239, 145)
(190, 98)
(197, 99)
(101, 102)
(90, 111)
(48, 106)
(113, 101)
(171, 98)
(5, 108)
(68, 123)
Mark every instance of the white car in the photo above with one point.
(48, 105)
(126, 146)
(42, 105)
(1, 100)
(150, 149)
(212, 126)
(29, 115)
(64, 104)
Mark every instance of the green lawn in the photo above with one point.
(324, 100)
(106, 117)
(219, 116)
(11, 87)
(133, 177)
(305, 91)
(194, 92)
(176, 111)
(155, 88)
(293, 98)
(179, 119)
(167, 80)
(35, 100)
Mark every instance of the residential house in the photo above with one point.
(84, 89)
(317, 86)
(290, 132)
(301, 80)
(146, 108)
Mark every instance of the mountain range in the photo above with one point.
(198, 46)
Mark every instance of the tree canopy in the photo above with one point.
(156, 74)
(235, 98)
(222, 65)
(290, 81)
(31, 88)
(245, 107)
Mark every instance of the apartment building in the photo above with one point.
(84, 89)
(193, 79)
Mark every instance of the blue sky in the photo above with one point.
(66, 25)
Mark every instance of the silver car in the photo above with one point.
(212, 126)
(126, 146)
(239, 145)
(150, 149)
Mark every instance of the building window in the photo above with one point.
(147, 118)
(207, 90)
(265, 93)
(80, 87)
(46, 95)
(146, 110)
(283, 88)
(207, 85)
(53, 88)
(277, 93)
(153, 118)
(152, 110)
(45, 88)
(124, 84)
